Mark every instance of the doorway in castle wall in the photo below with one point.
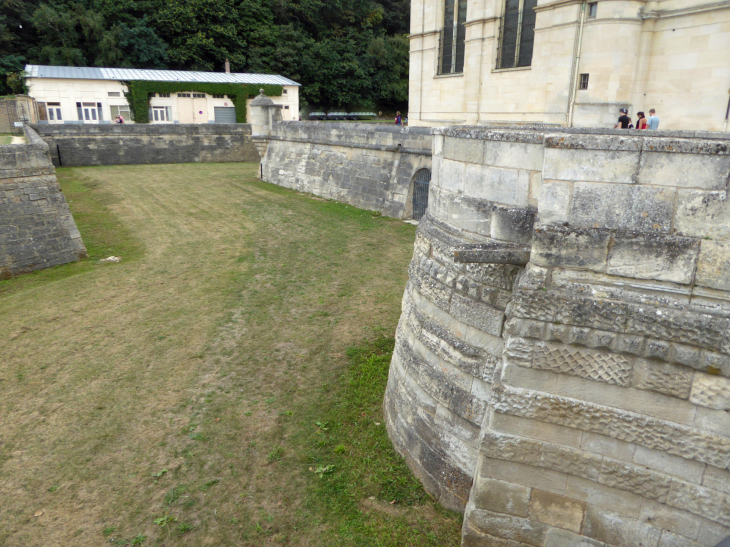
(421, 180)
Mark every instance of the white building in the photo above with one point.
(569, 62)
(96, 95)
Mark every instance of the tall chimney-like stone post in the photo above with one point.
(263, 115)
(228, 66)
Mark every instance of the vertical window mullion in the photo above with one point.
(519, 32)
(454, 35)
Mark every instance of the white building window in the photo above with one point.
(163, 95)
(161, 114)
(114, 94)
(54, 112)
(122, 111)
(89, 112)
(516, 34)
(219, 96)
(184, 95)
(451, 42)
(592, 10)
(198, 95)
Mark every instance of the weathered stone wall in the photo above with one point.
(562, 363)
(131, 144)
(36, 227)
(367, 165)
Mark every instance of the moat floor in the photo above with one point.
(205, 390)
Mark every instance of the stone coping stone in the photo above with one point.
(142, 129)
(354, 127)
(476, 131)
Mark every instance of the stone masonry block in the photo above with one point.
(514, 425)
(655, 257)
(522, 530)
(616, 166)
(592, 364)
(684, 170)
(554, 202)
(703, 214)
(711, 391)
(464, 150)
(557, 537)
(570, 247)
(668, 518)
(638, 208)
(645, 483)
(607, 446)
(512, 224)
(700, 500)
(501, 497)
(506, 186)
(662, 377)
(616, 529)
(675, 466)
(593, 493)
(477, 314)
(523, 474)
(451, 176)
(717, 479)
(555, 510)
(514, 155)
(713, 265)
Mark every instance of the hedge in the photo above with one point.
(139, 93)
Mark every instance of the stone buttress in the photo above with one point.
(562, 364)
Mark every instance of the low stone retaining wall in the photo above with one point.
(132, 144)
(370, 166)
(36, 227)
(562, 364)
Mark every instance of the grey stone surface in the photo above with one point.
(36, 227)
(655, 257)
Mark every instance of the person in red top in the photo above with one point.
(641, 122)
(398, 119)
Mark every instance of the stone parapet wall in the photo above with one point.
(36, 227)
(367, 165)
(562, 363)
(131, 144)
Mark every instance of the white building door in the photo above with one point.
(54, 113)
(200, 108)
(90, 112)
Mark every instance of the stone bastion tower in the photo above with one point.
(562, 364)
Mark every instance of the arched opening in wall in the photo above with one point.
(421, 180)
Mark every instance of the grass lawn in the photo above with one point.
(5, 138)
(222, 385)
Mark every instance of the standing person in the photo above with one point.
(641, 122)
(653, 120)
(624, 121)
(398, 119)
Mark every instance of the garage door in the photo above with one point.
(225, 114)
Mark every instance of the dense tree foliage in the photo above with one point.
(346, 53)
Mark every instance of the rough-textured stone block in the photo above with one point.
(616, 529)
(713, 265)
(592, 364)
(711, 391)
(512, 225)
(570, 247)
(662, 258)
(637, 208)
(703, 214)
(700, 500)
(684, 170)
(501, 497)
(671, 465)
(645, 483)
(555, 510)
(662, 377)
(477, 314)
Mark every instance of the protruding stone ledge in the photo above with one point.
(492, 253)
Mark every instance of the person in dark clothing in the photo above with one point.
(624, 121)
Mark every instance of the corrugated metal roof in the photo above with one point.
(92, 73)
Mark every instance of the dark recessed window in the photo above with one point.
(584, 81)
(199, 95)
(219, 96)
(592, 10)
(451, 43)
(516, 34)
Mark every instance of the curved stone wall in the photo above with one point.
(562, 363)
